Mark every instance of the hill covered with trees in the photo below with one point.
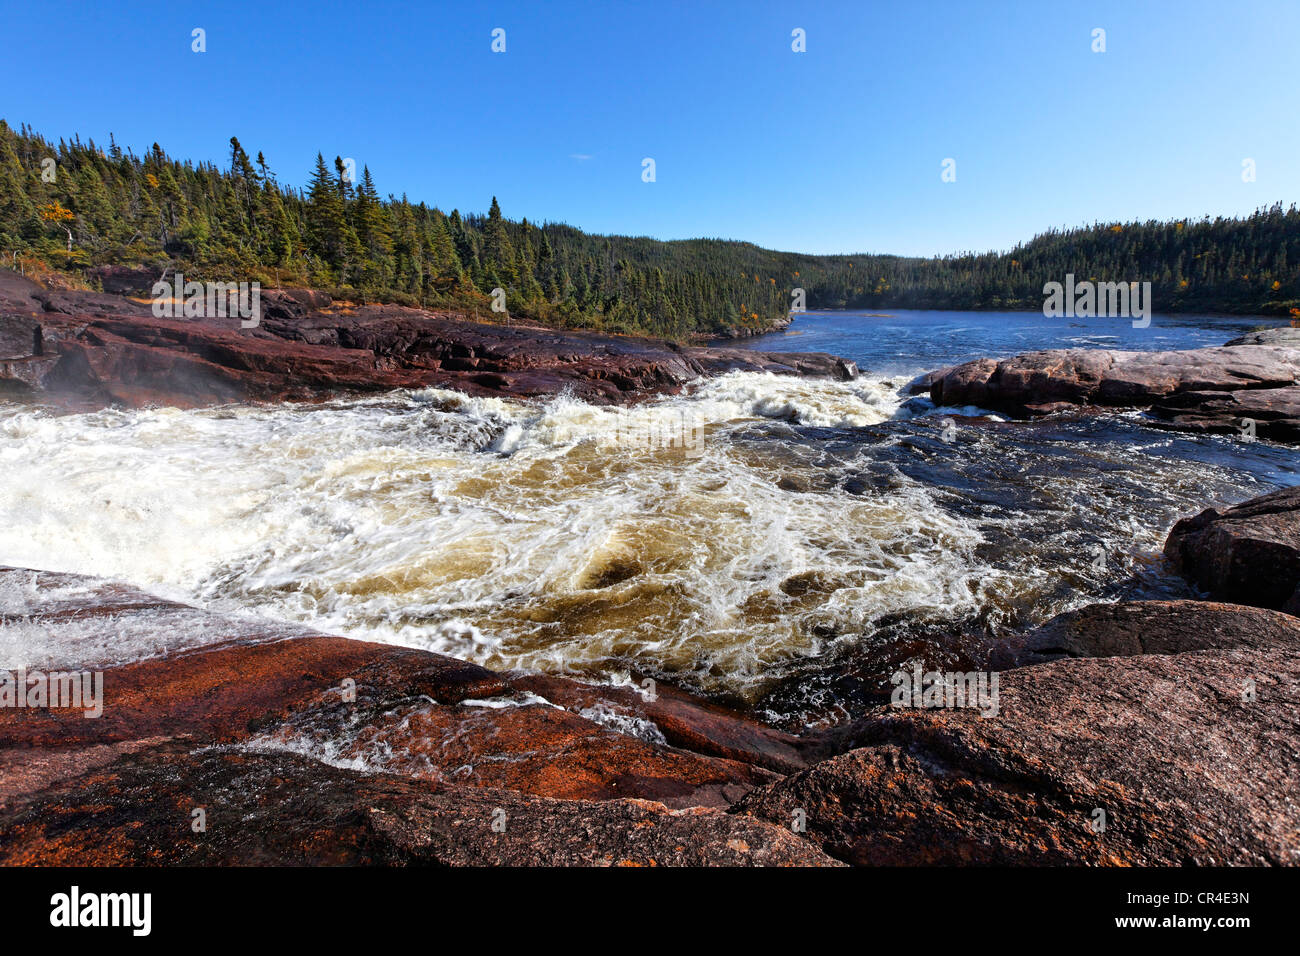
(72, 206)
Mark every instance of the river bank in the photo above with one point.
(225, 739)
(442, 623)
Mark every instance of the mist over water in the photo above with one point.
(820, 535)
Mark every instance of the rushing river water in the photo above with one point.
(812, 537)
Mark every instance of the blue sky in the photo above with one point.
(838, 149)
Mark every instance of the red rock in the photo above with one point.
(1209, 389)
(268, 688)
(684, 721)
(531, 748)
(87, 350)
(1248, 554)
(1191, 756)
(281, 809)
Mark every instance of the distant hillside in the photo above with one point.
(114, 207)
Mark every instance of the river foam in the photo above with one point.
(556, 536)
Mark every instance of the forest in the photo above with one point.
(69, 207)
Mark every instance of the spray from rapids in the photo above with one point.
(511, 534)
(544, 537)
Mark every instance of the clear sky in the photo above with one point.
(838, 149)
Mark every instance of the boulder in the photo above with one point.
(1275, 412)
(1129, 628)
(1209, 389)
(682, 720)
(1283, 335)
(125, 280)
(192, 699)
(1153, 759)
(1248, 554)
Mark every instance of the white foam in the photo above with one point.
(510, 534)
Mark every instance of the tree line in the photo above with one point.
(72, 206)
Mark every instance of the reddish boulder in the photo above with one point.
(1248, 554)
(1209, 389)
(514, 744)
(264, 809)
(1151, 760)
(683, 720)
(192, 699)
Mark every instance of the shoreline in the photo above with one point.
(333, 750)
(88, 350)
(293, 732)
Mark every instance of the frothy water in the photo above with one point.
(815, 525)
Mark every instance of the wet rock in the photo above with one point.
(795, 483)
(87, 350)
(1274, 412)
(283, 809)
(683, 720)
(921, 384)
(178, 682)
(1283, 335)
(716, 361)
(1198, 389)
(1129, 628)
(1190, 756)
(515, 744)
(1248, 554)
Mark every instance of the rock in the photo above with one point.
(291, 304)
(124, 280)
(87, 350)
(1248, 554)
(511, 742)
(718, 361)
(263, 809)
(683, 720)
(1198, 389)
(921, 384)
(1190, 755)
(1275, 412)
(181, 684)
(1283, 335)
(1130, 628)
(253, 682)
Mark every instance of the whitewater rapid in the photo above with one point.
(557, 536)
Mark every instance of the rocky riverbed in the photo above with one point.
(89, 350)
(1134, 732)
(225, 739)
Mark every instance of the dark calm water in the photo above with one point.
(1066, 511)
(910, 342)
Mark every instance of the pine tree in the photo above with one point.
(327, 225)
(498, 254)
